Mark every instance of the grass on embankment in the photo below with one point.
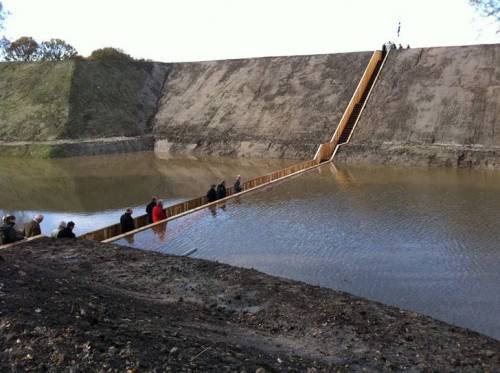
(77, 99)
(34, 100)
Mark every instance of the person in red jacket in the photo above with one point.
(158, 212)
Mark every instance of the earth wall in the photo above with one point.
(432, 106)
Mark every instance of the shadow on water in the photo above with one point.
(422, 239)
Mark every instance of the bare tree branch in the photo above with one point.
(488, 8)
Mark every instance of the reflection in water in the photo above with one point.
(94, 191)
(213, 210)
(426, 240)
(130, 239)
(160, 230)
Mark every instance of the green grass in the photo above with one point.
(73, 100)
(40, 151)
(34, 100)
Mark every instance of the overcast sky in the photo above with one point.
(190, 30)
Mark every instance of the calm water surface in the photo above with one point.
(425, 240)
(94, 191)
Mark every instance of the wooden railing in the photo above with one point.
(326, 150)
(6, 246)
(368, 96)
(114, 231)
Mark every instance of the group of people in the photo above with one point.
(391, 45)
(154, 210)
(9, 233)
(219, 191)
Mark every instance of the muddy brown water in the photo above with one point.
(421, 239)
(94, 191)
(427, 240)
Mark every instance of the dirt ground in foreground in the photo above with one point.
(80, 306)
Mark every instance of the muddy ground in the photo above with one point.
(79, 306)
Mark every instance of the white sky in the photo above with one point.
(190, 30)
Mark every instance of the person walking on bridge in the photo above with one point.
(237, 184)
(8, 234)
(211, 194)
(56, 231)
(68, 231)
(158, 212)
(149, 209)
(221, 190)
(127, 221)
(32, 228)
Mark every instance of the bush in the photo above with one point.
(109, 54)
(56, 50)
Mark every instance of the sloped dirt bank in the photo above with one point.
(84, 306)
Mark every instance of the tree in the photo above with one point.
(23, 49)
(4, 42)
(488, 8)
(56, 50)
(3, 14)
(26, 49)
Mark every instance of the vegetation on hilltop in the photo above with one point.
(27, 49)
(110, 54)
(78, 99)
(107, 94)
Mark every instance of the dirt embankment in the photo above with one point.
(74, 108)
(433, 106)
(260, 107)
(84, 306)
(114, 98)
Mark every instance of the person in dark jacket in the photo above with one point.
(149, 209)
(237, 184)
(8, 234)
(68, 231)
(127, 221)
(221, 190)
(212, 194)
(32, 228)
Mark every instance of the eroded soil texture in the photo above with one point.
(80, 306)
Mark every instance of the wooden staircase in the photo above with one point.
(346, 125)
(356, 111)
